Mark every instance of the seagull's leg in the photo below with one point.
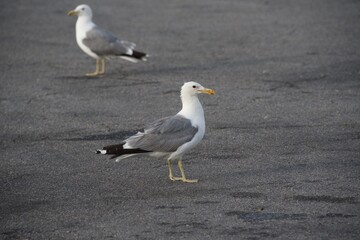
(102, 71)
(183, 178)
(171, 176)
(96, 71)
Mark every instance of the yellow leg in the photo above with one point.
(96, 71)
(102, 71)
(183, 178)
(171, 176)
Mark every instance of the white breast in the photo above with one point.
(81, 28)
(194, 112)
(189, 145)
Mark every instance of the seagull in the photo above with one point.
(99, 43)
(170, 137)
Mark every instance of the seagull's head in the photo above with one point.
(194, 88)
(81, 10)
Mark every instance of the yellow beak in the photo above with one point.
(207, 91)
(72, 13)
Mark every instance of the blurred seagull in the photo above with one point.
(169, 137)
(99, 43)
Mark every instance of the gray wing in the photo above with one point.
(164, 135)
(104, 43)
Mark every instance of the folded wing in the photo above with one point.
(164, 135)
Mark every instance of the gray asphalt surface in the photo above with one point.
(280, 159)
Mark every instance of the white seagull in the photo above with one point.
(99, 43)
(169, 137)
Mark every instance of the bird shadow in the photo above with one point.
(120, 135)
(117, 75)
(80, 77)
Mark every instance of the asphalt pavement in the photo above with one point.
(281, 154)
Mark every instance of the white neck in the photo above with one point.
(83, 24)
(84, 21)
(86, 18)
(191, 107)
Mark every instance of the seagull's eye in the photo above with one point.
(194, 86)
(83, 9)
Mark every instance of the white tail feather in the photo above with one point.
(101, 151)
(118, 159)
(134, 60)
